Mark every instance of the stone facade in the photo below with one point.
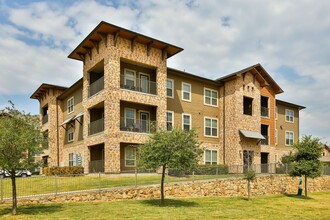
(109, 54)
(267, 185)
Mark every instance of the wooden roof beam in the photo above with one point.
(96, 45)
(82, 56)
(115, 37)
(164, 52)
(133, 42)
(89, 51)
(104, 37)
(149, 47)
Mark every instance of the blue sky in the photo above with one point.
(289, 38)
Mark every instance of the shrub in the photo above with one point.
(71, 170)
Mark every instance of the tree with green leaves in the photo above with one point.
(249, 176)
(178, 149)
(305, 161)
(20, 141)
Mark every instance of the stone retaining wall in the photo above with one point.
(266, 185)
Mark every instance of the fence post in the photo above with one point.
(286, 168)
(167, 174)
(135, 177)
(217, 173)
(56, 185)
(99, 181)
(1, 188)
(193, 179)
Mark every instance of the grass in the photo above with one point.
(31, 185)
(266, 207)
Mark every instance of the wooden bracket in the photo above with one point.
(164, 53)
(82, 56)
(133, 42)
(104, 37)
(149, 47)
(89, 51)
(115, 37)
(96, 45)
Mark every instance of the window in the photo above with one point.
(247, 108)
(169, 88)
(289, 115)
(276, 137)
(70, 134)
(129, 117)
(264, 107)
(211, 157)
(186, 92)
(211, 127)
(186, 122)
(289, 138)
(169, 120)
(210, 97)
(70, 105)
(130, 78)
(130, 156)
(75, 159)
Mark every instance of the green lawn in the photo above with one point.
(31, 185)
(266, 207)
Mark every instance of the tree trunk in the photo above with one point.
(162, 187)
(305, 186)
(249, 189)
(13, 184)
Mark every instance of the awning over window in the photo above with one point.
(252, 134)
(77, 116)
(68, 120)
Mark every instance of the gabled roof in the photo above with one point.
(44, 88)
(289, 104)
(73, 87)
(261, 74)
(103, 28)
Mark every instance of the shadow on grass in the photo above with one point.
(170, 203)
(32, 209)
(296, 196)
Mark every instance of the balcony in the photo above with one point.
(139, 85)
(264, 112)
(265, 141)
(137, 125)
(96, 126)
(96, 86)
(44, 119)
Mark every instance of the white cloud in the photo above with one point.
(219, 37)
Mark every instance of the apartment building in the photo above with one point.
(127, 91)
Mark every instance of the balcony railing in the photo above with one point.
(139, 85)
(96, 127)
(265, 141)
(96, 86)
(264, 112)
(137, 125)
(44, 119)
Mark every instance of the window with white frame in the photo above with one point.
(211, 127)
(130, 156)
(169, 88)
(211, 157)
(129, 117)
(129, 78)
(289, 115)
(70, 104)
(186, 91)
(75, 159)
(289, 138)
(169, 120)
(186, 122)
(70, 134)
(210, 97)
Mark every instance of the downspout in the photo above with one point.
(58, 134)
(224, 123)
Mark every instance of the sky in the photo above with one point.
(290, 39)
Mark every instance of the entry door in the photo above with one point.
(144, 121)
(264, 162)
(144, 83)
(247, 160)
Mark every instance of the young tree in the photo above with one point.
(177, 149)
(306, 159)
(20, 140)
(249, 176)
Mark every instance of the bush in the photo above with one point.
(71, 170)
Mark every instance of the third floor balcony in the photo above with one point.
(142, 83)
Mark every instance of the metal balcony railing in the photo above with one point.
(96, 86)
(44, 119)
(264, 112)
(139, 85)
(137, 125)
(96, 127)
(265, 141)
